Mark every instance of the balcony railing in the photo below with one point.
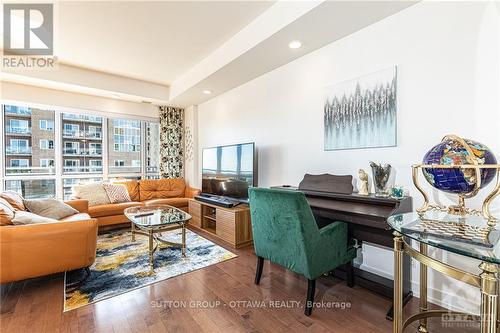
(82, 152)
(81, 117)
(82, 169)
(124, 169)
(17, 130)
(18, 150)
(30, 170)
(18, 111)
(82, 134)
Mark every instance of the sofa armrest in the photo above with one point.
(33, 250)
(79, 204)
(191, 192)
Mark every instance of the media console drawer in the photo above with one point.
(231, 225)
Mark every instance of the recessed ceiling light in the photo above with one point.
(207, 92)
(295, 44)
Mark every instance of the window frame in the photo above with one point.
(58, 175)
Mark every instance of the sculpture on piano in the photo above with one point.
(363, 182)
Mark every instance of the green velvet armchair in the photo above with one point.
(285, 232)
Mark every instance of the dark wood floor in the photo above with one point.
(36, 305)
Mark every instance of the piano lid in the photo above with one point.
(327, 183)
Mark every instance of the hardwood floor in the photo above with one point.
(176, 305)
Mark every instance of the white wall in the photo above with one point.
(448, 82)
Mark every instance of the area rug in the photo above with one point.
(122, 265)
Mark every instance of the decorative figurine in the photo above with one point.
(381, 176)
(363, 182)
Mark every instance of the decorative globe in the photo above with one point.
(455, 151)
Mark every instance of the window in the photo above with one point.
(18, 126)
(18, 147)
(32, 188)
(28, 135)
(82, 137)
(46, 163)
(30, 161)
(71, 130)
(124, 146)
(19, 163)
(46, 125)
(95, 149)
(46, 144)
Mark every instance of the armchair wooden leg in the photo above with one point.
(258, 272)
(349, 270)
(311, 289)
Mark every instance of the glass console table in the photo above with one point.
(444, 231)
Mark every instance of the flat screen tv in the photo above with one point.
(229, 170)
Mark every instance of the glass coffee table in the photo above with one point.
(152, 220)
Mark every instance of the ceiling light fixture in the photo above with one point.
(207, 92)
(295, 44)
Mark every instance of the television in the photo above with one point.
(229, 171)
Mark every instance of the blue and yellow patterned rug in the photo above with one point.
(122, 265)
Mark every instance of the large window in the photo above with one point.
(82, 143)
(49, 151)
(124, 146)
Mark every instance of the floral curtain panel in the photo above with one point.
(171, 142)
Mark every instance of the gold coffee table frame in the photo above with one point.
(151, 231)
(487, 282)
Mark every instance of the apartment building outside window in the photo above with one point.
(33, 157)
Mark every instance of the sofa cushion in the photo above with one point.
(162, 188)
(117, 193)
(176, 202)
(14, 199)
(76, 217)
(22, 217)
(94, 193)
(111, 209)
(6, 212)
(132, 188)
(51, 208)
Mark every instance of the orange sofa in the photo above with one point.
(172, 192)
(33, 250)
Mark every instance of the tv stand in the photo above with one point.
(230, 225)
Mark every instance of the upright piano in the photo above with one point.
(367, 222)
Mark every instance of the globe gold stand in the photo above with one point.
(474, 171)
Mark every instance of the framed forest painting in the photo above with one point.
(361, 113)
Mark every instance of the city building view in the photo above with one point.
(41, 144)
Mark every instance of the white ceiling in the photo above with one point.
(147, 40)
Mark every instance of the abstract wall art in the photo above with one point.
(361, 113)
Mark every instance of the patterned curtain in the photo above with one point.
(171, 142)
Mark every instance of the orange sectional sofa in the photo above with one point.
(172, 192)
(32, 250)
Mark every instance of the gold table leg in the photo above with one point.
(151, 250)
(133, 231)
(398, 283)
(422, 327)
(184, 240)
(489, 294)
